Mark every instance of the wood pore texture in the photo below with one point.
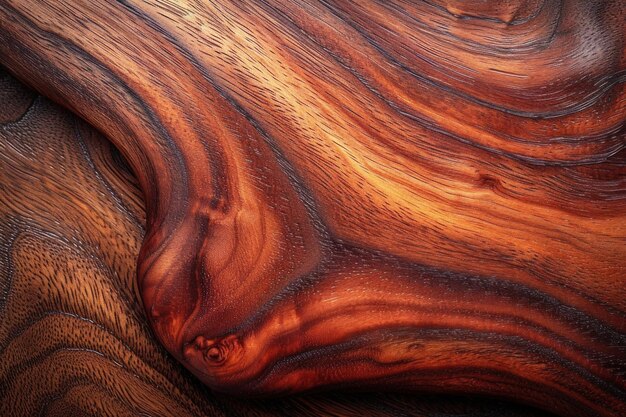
(74, 339)
(421, 196)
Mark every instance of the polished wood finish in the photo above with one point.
(425, 196)
(74, 341)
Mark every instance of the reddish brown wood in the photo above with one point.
(423, 195)
(73, 339)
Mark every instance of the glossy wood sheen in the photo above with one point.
(73, 339)
(424, 195)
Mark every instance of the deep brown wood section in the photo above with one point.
(404, 195)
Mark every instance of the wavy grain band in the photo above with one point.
(425, 195)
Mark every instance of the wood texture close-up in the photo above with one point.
(74, 340)
(426, 197)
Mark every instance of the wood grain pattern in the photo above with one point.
(73, 339)
(424, 195)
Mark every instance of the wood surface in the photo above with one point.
(74, 341)
(379, 195)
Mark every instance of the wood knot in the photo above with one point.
(216, 352)
(488, 181)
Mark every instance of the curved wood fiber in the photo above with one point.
(73, 339)
(376, 195)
